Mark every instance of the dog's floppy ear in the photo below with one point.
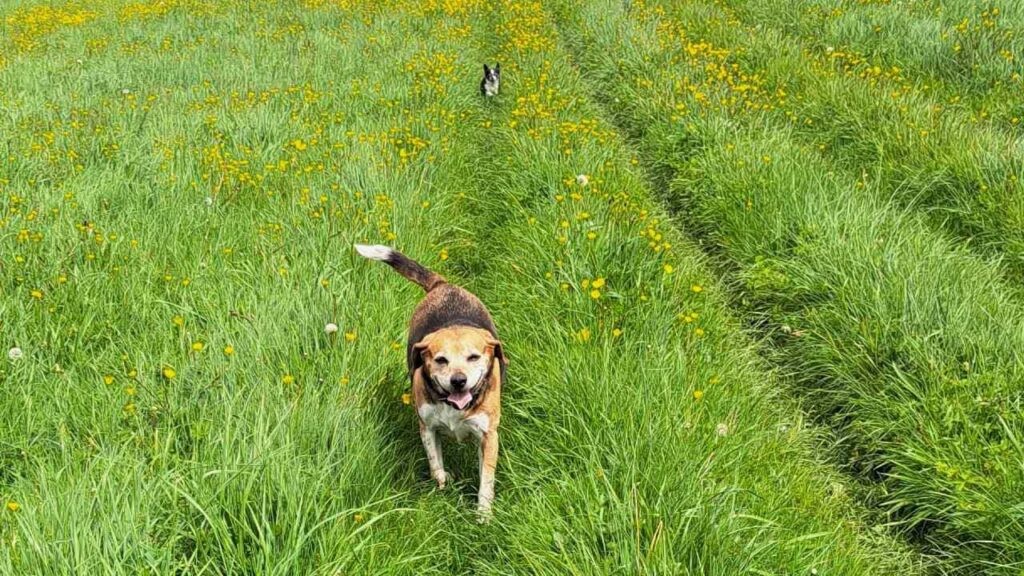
(497, 350)
(417, 354)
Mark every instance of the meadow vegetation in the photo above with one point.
(905, 342)
(750, 329)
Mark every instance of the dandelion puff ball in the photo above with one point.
(582, 180)
(331, 328)
(15, 354)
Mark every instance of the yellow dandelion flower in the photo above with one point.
(108, 379)
(584, 334)
(13, 506)
(344, 380)
(698, 331)
(37, 294)
(359, 517)
(595, 294)
(229, 350)
(169, 373)
(697, 288)
(698, 394)
(668, 268)
(350, 336)
(444, 253)
(288, 379)
(406, 399)
(178, 321)
(617, 332)
(599, 283)
(198, 346)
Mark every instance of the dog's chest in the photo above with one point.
(447, 419)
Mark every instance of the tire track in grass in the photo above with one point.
(640, 435)
(908, 346)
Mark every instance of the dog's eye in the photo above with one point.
(441, 360)
(473, 357)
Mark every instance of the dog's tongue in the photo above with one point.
(460, 399)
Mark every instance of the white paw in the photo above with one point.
(442, 478)
(484, 513)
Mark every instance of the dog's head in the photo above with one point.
(458, 360)
(492, 77)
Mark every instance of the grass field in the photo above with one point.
(756, 265)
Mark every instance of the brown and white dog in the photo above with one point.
(457, 366)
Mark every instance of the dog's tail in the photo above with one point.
(411, 269)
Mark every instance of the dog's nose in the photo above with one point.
(458, 381)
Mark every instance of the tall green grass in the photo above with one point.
(956, 51)
(190, 177)
(906, 344)
(876, 124)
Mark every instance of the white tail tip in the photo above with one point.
(378, 252)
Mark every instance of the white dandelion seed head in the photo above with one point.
(125, 91)
(722, 429)
(208, 200)
(582, 179)
(15, 354)
(331, 328)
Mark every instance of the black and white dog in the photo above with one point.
(492, 79)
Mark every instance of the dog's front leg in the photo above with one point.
(433, 448)
(488, 462)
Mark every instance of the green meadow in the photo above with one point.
(756, 265)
